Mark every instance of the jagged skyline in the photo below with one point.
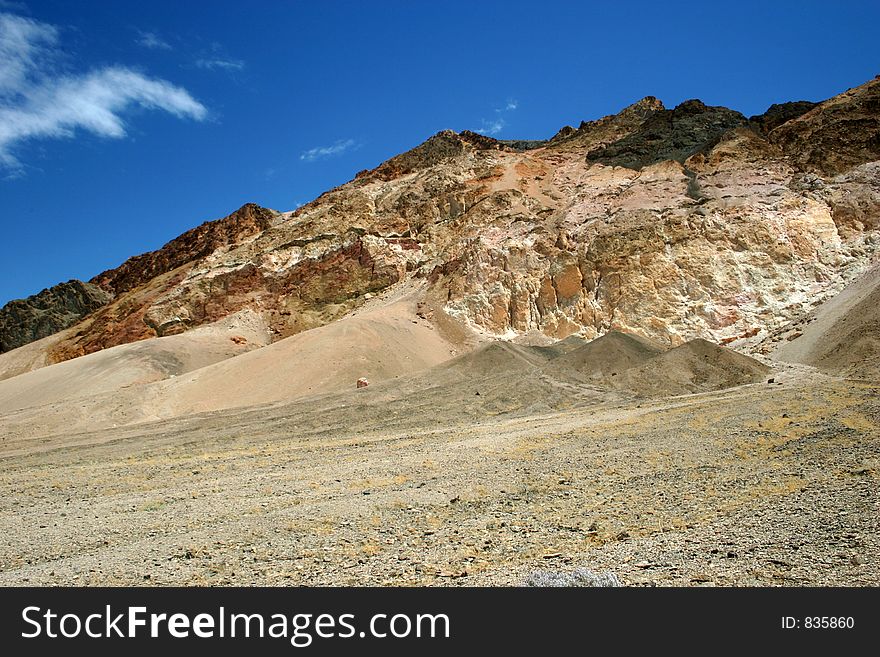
(204, 111)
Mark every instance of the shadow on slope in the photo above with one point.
(842, 336)
(695, 366)
(113, 370)
(605, 357)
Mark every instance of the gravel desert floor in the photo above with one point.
(763, 484)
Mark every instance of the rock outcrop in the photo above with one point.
(674, 134)
(199, 242)
(836, 135)
(779, 113)
(694, 222)
(52, 310)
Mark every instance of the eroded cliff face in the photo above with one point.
(248, 220)
(52, 310)
(674, 224)
(841, 133)
(722, 246)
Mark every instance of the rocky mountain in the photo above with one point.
(199, 242)
(673, 224)
(41, 315)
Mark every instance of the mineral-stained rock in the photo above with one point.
(192, 245)
(674, 134)
(674, 224)
(854, 198)
(52, 310)
(836, 135)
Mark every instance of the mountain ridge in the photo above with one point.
(670, 223)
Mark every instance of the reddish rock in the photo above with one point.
(715, 226)
(191, 245)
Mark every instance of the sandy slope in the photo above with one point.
(381, 343)
(204, 370)
(695, 366)
(112, 370)
(405, 358)
(842, 336)
(29, 357)
(607, 356)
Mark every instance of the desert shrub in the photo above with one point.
(576, 577)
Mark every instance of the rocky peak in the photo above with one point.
(444, 145)
(631, 116)
(675, 134)
(52, 310)
(836, 135)
(598, 133)
(564, 132)
(196, 243)
(642, 109)
(779, 113)
(692, 106)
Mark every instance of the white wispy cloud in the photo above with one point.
(153, 41)
(38, 102)
(321, 152)
(497, 124)
(23, 44)
(492, 127)
(220, 63)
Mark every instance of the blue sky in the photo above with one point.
(123, 124)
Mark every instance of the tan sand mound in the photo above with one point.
(493, 359)
(695, 366)
(379, 344)
(606, 356)
(147, 361)
(31, 356)
(842, 335)
(561, 347)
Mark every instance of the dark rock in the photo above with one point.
(52, 310)
(523, 144)
(674, 134)
(565, 132)
(778, 114)
(192, 245)
(835, 136)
